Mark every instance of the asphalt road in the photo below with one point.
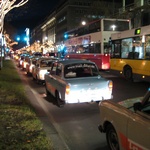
(74, 127)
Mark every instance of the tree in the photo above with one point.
(5, 7)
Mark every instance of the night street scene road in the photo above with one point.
(74, 75)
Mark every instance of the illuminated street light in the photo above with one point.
(83, 23)
(18, 38)
(46, 38)
(113, 27)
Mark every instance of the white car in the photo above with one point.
(127, 123)
(30, 65)
(42, 65)
(77, 81)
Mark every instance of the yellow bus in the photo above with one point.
(130, 53)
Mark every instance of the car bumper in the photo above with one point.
(77, 98)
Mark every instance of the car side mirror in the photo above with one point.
(137, 106)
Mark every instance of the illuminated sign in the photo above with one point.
(137, 31)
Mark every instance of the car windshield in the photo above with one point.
(80, 70)
(44, 63)
(49, 63)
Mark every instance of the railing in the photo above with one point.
(134, 6)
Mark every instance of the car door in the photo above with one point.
(33, 63)
(56, 82)
(50, 79)
(139, 131)
(60, 83)
(34, 71)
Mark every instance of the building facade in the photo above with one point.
(70, 13)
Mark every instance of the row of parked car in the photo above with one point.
(68, 80)
(126, 124)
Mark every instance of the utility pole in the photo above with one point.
(5, 7)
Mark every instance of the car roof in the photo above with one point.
(72, 61)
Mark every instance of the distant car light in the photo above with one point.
(42, 73)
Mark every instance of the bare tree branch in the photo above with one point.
(6, 6)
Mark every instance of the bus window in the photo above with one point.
(126, 47)
(116, 49)
(147, 47)
(138, 48)
(107, 49)
(94, 48)
(115, 25)
(94, 27)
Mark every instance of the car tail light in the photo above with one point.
(110, 85)
(67, 89)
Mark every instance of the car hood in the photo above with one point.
(129, 102)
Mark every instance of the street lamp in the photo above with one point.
(46, 38)
(83, 23)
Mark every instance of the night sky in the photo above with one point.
(27, 16)
(34, 11)
(30, 14)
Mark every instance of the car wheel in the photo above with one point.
(112, 138)
(128, 73)
(37, 80)
(28, 73)
(60, 103)
(33, 78)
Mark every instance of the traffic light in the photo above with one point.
(66, 36)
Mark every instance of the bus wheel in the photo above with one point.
(128, 73)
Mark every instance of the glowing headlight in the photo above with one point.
(42, 73)
(21, 62)
(25, 64)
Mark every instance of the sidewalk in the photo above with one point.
(44, 116)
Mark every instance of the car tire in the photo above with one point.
(33, 78)
(37, 80)
(60, 102)
(28, 73)
(112, 138)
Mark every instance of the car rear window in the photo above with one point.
(80, 70)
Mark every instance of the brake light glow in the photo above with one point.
(67, 89)
(110, 85)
